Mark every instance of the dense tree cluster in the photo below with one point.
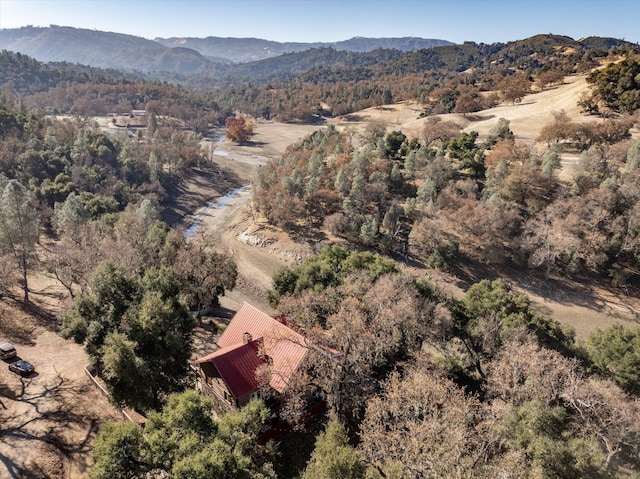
(430, 386)
(616, 87)
(478, 387)
(55, 158)
(306, 85)
(136, 332)
(19, 233)
(80, 90)
(136, 279)
(185, 441)
(447, 195)
(131, 276)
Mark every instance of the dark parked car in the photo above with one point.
(22, 367)
(7, 351)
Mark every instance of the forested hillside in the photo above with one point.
(320, 82)
(414, 381)
(448, 198)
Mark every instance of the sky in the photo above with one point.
(480, 21)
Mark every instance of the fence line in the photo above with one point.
(95, 381)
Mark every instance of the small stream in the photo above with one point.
(219, 203)
(218, 142)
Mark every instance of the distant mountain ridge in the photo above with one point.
(241, 50)
(181, 55)
(200, 62)
(99, 49)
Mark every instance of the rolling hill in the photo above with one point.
(180, 55)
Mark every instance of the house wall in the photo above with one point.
(216, 388)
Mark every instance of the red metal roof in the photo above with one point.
(237, 366)
(285, 347)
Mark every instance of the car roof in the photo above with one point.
(6, 346)
(22, 362)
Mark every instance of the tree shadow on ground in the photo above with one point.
(586, 291)
(52, 407)
(252, 143)
(471, 117)
(44, 317)
(313, 237)
(14, 323)
(197, 189)
(12, 469)
(220, 313)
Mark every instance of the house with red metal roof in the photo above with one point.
(257, 353)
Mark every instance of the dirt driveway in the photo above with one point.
(47, 420)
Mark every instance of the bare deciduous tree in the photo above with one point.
(422, 426)
(604, 410)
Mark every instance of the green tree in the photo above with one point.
(333, 456)
(19, 228)
(185, 423)
(633, 157)
(185, 441)
(490, 312)
(117, 452)
(329, 268)
(216, 459)
(69, 217)
(551, 163)
(155, 168)
(393, 144)
(342, 184)
(615, 353)
(126, 375)
(617, 86)
(471, 156)
(542, 433)
(136, 331)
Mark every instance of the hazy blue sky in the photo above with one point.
(486, 21)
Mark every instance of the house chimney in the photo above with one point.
(246, 338)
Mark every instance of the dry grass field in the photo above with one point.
(526, 118)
